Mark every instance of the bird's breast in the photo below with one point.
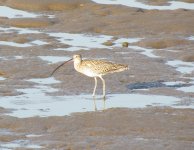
(88, 72)
(85, 70)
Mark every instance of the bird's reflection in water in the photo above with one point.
(102, 99)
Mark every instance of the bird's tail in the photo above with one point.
(121, 67)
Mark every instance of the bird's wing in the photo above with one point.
(103, 67)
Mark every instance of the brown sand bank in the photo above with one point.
(151, 128)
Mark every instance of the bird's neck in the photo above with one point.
(77, 65)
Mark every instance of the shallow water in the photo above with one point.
(33, 135)
(2, 78)
(75, 41)
(15, 13)
(81, 40)
(33, 43)
(173, 83)
(78, 41)
(28, 106)
(7, 43)
(36, 101)
(54, 59)
(45, 81)
(191, 38)
(18, 144)
(74, 48)
(19, 30)
(38, 42)
(181, 66)
(144, 51)
(189, 89)
(6, 132)
(11, 58)
(18, 57)
(157, 84)
(134, 3)
(87, 41)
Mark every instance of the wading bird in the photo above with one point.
(94, 68)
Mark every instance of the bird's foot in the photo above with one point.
(104, 97)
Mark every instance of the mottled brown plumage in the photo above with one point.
(102, 67)
(97, 68)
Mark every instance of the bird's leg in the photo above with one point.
(95, 108)
(95, 86)
(104, 102)
(103, 82)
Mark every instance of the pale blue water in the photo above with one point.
(134, 3)
(15, 13)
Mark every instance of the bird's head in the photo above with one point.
(77, 58)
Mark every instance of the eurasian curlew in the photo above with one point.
(95, 68)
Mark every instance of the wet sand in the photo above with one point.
(165, 38)
(150, 128)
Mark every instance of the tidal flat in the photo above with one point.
(150, 106)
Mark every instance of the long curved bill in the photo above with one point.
(61, 66)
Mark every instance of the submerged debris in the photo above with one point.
(155, 84)
(108, 43)
(125, 44)
(2, 73)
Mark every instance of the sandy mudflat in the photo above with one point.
(151, 128)
(164, 52)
